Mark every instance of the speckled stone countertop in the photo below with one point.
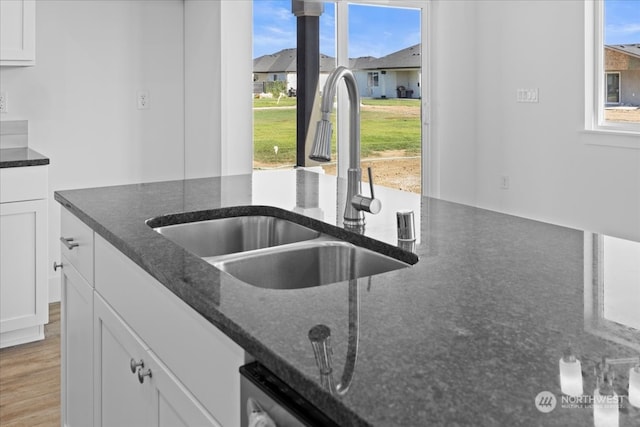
(19, 157)
(469, 335)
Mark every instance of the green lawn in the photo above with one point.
(389, 124)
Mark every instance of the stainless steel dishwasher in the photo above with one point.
(282, 404)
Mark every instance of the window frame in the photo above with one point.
(596, 88)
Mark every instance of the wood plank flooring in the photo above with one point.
(30, 379)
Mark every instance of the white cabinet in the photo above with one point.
(76, 344)
(204, 359)
(17, 32)
(114, 312)
(76, 313)
(24, 296)
(132, 386)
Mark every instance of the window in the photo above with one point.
(613, 88)
(615, 75)
(372, 79)
(367, 36)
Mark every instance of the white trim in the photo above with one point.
(430, 165)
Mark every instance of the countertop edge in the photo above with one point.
(280, 367)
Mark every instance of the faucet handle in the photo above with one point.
(367, 204)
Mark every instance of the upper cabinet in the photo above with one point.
(17, 32)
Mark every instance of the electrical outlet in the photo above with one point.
(143, 100)
(504, 182)
(3, 102)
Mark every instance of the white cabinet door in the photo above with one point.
(17, 32)
(204, 359)
(23, 283)
(76, 313)
(148, 395)
(120, 399)
(176, 407)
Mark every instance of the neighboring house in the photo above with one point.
(397, 75)
(281, 67)
(622, 69)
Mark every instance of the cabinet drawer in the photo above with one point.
(79, 247)
(203, 358)
(23, 183)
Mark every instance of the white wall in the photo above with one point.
(80, 97)
(218, 90)
(453, 114)
(556, 172)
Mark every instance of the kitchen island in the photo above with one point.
(469, 335)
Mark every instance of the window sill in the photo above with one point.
(623, 138)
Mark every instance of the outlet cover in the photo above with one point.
(143, 100)
(504, 182)
(3, 102)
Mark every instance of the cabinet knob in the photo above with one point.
(143, 373)
(135, 365)
(56, 266)
(68, 242)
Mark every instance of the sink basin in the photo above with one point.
(235, 234)
(308, 264)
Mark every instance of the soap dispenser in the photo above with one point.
(606, 411)
(570, 374)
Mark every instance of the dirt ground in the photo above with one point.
(390, 169)
(622, 114)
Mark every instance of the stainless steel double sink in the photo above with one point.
(276, 253)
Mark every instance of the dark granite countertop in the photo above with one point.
(469, 335)
(19, 157)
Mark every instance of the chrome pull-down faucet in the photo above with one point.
(356, 204)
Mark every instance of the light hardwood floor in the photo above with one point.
(30, 379)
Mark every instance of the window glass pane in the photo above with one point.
(384, 53)
(622, 61)
(385, 56)
(274, 78)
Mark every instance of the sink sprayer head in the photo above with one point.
(321, 149)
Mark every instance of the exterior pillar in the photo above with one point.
(307, 68)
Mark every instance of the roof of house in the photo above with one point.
(409, 57)
(285, 61)
(632, 49)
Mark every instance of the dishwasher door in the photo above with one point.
(283, 405)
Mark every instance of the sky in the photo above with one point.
(379, 31)
(373, 31)
(622, 19)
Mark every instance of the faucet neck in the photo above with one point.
(354, 109)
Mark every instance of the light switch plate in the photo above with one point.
(527, 95)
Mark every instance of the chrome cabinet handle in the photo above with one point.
(68, 242)
(143, 373)
(56, 266)
(135, 365)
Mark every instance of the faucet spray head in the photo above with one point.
(321, 149)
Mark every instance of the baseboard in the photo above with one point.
(54, 288)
